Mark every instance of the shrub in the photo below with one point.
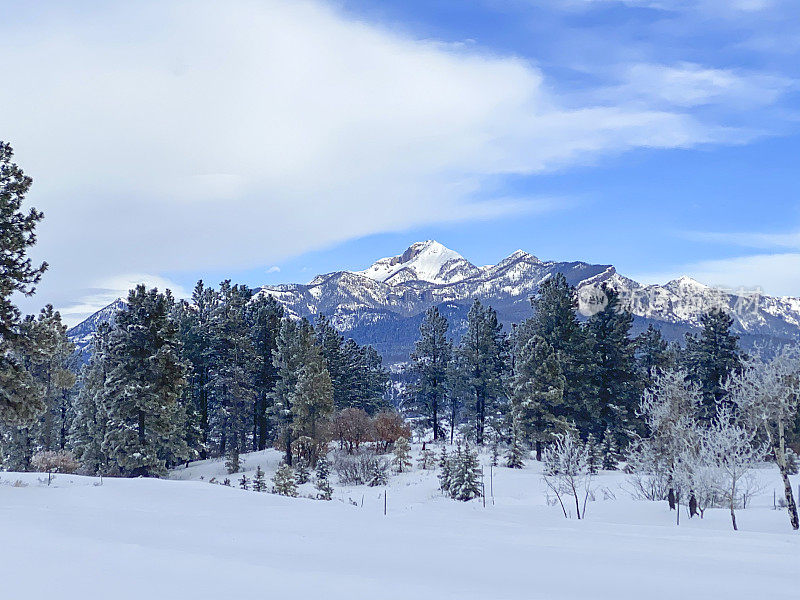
(61, 461)
(352, 427)
(390, 427)
(360, 469)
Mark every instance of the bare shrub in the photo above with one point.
(390, 426)
(363, 468)
(61, 461)
(352, 427)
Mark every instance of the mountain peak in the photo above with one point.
(684, 282)
(424, 261)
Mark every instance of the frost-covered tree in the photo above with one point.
(730, 448)
(144, 384)
(567, 473)
(670, 409)
(767, 392)
(232, 463)
(312, 398)
(516, 453)
(444, 471)
(402, 455)
(244, 483)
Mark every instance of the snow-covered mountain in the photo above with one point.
(383, 304)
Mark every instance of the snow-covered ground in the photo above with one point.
(184, 538)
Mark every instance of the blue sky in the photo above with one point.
(269, 141)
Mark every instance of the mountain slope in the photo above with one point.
(383, 305)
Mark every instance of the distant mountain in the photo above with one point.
(81, 334)
(383, 305)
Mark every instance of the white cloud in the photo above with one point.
(774, 274)
(688, 84)
(182, 135)
(274, 269)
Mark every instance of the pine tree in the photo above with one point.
(283, 483)
(444, 471)
(402, 455)
(232, 464)
(264, 314)
(259, 483)
(614, 377)
(516, 454)
(711, 358)
(555, 320)
(312, 398)
(484, 357)
(145, 380)
(232, 363)
(465, 484)
(495, 452)
(301, 472)
(537, 392)
(244, 483)
(610, 451)
(595, 454)
(430, 361)
(88, 428)
(378, 474)
(20, 398)
(294, 343)
(322, 484)
(653, 353)
(426, 459)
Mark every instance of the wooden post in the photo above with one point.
(491, 482)
(384, 502)
(483, 489)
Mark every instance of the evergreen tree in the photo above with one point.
(613, 371)
(444, 471)
(301, 472)
(20, 399)
(283, 483)
(595, 454)
(537, 392)
(295, 339)
(264, 314)
(378, 474)
(89, 424)
(322, 484)
(555, 320)
(244, 483)
(259, 483)
(430, 360)
(232, 463)
(196, 333)
(232, 363)
(610, 451)
(711, 358)
(312, 398)
(145, 380)
(465, 479)
(402, 455)
(426, 459)
(516, 454)
(653, 353)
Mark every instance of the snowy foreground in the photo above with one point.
(184, 538)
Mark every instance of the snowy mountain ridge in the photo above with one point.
(383, 304)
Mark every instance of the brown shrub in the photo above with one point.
(61, 461)
(390, 426)
(352, 427)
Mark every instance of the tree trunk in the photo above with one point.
(538, 450)
(780, 458)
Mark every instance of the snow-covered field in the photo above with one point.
(184, 538)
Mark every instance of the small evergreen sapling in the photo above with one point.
(444, 471)
(283, 483)
(402, 455)
(465, 482)
(610, 451)
(259, 483)
(514, 458)
(595, 455)
(301, 472)
(378, 473)
(323, 485)
(426, 459)
(244, 483)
